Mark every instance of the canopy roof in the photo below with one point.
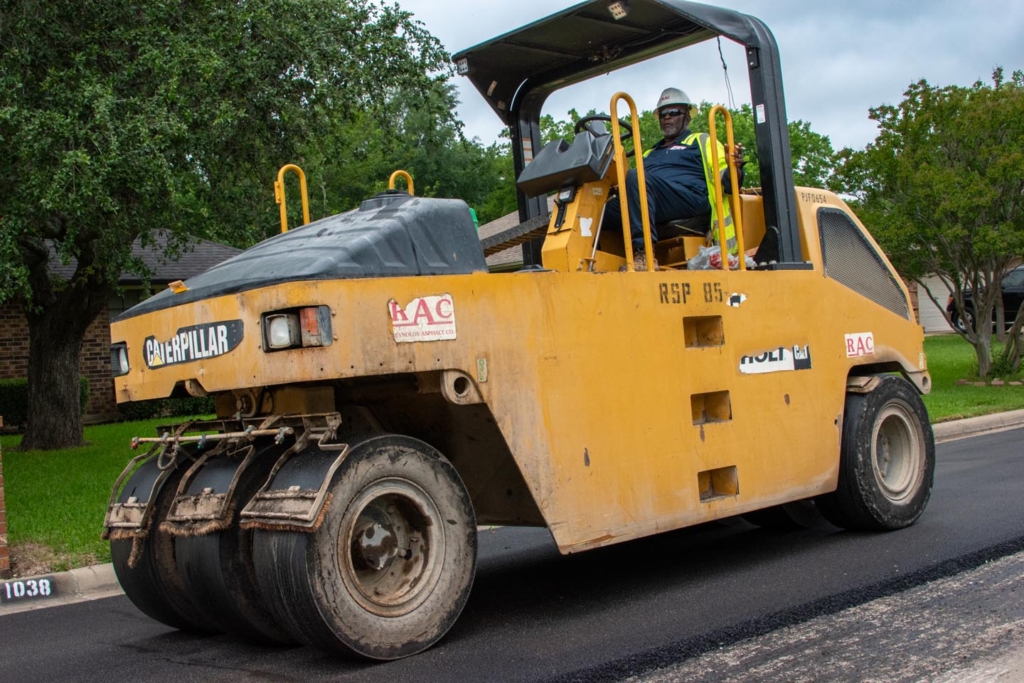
(517, 71)
(585, 41)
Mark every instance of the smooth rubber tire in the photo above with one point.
(390, 568)
(217, 568)
(153, 584)
(887, 462)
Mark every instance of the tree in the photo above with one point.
(121, 117)
(415, 131)
(941, 189)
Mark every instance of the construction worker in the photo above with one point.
(678, 176)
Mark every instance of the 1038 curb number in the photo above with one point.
(27, 589)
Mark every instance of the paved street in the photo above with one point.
(641, 608)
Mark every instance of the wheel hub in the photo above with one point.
(390, 561)
(376, 543)
(898, 446)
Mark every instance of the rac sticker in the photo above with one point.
(782, 359)
(196, 342)
(426, 318)
(860, 344)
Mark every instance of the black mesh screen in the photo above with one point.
(853, 261)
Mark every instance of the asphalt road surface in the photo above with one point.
(631, 610)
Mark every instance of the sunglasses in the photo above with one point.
(670, 113)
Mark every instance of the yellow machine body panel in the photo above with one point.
(632, 403)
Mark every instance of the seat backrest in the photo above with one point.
(752, 208)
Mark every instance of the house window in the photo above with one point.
(129, 296)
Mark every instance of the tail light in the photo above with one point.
(309, 326)
(119, 360)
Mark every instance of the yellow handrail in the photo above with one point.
(279, 195)
(734, 198)
(408, 181)
(620, 167)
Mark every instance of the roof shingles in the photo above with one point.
(512, 255)
(202, 256)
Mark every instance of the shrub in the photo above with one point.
(165, 407)
(14, 399)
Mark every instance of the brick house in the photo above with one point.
(95, 357)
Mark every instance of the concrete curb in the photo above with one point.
(92, 583)
(76, 585)
(973, 426)
(86, 580)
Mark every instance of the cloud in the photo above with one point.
(839, 58)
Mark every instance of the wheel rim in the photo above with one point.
(392, 547)
(898, 452)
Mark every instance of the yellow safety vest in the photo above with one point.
(703, 140)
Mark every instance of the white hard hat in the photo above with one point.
(670, 96)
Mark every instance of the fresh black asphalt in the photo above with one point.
(602, 615)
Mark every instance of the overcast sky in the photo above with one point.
(839, 57)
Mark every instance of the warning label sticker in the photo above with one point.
(424, 319)
(782, 359)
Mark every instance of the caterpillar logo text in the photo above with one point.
(193, 343)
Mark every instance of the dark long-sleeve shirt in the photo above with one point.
(681, 164)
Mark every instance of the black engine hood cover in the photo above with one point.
(388, 236)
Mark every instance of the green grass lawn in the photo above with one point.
(56, 500)
(950, 358)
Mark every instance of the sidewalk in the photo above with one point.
(973, 426)
(92, 583)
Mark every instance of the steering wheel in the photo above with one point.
(584, 124)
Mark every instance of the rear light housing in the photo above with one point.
(119, 360)
(296, 328)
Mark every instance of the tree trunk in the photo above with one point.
(1000, 319)
(55, 343)
(983, 349)
(1014, 348)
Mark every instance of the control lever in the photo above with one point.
(562, 201)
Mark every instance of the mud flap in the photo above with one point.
(206, 498)
(129, 512)
(295, 497)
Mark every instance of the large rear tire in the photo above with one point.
(217, 568)
(887, 463)
(152, 582)
(390, 568)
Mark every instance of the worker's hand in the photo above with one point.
(737, 155)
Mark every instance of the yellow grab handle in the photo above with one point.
(620, 167)
(279, 195)
(408, 181)
(734, 198)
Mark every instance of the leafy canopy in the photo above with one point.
(941, 189)
(124, 116)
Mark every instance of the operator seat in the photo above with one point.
(698, 226)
